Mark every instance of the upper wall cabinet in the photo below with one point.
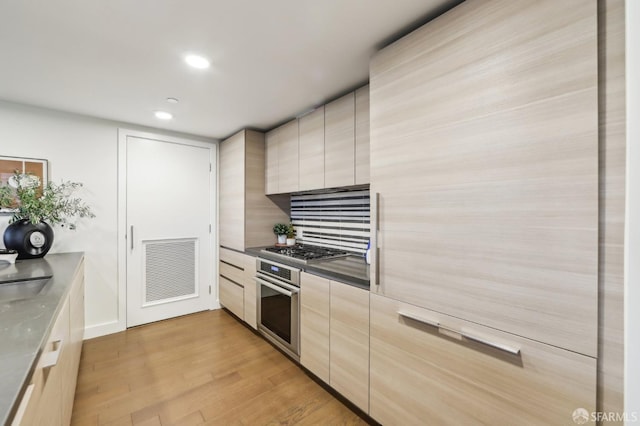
(339, 142)
(362, 136)
(327, 148)
(282, 159)
(246, 214)
(484, 153)
(311, 149)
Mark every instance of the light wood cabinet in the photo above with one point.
(327, 148)
(311, 150)
(314, 324)
(282, 159)
(247, 215)
(421, 371)
(349, 343)
(484, 152)
(339, 142)
(288, 157)
(271, 170)
(48, 398)
(236, 288)
(362, 136)
(76, 336)
(231, 294)
(334, 335)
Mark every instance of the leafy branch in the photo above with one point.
(53, 204)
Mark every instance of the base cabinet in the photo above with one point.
(423, 370)
(314, 324)
(236, 288)
(48, 399)
(334, 334)
(349, 343)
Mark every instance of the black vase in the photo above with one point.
(29, 240)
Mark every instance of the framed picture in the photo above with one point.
(35, 166)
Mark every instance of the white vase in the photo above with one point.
(282, 239)
(291, 241)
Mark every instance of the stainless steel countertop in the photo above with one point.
(352, 270)
(26, 324)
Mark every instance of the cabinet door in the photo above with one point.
(421, 371)
(339, 142)
(288, 157)
(232, 191)
(76, 336)
(489, 184)
(349, 353)
(312, 150)
(54, 364)
(362, 136)
(271, 168)
(250, 306)
(314, 324)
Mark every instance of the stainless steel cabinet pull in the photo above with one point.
(469, 336)
(131, 236)
(375, 240)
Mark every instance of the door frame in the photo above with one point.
(123, 134)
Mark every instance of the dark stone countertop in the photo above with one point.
(25, 324)
(352, 270)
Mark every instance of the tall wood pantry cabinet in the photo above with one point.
(247, 217)
(484, 159)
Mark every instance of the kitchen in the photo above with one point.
(85, 148)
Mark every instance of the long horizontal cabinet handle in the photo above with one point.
(451, 332)
(276, 288)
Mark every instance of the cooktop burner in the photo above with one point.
(306, 253)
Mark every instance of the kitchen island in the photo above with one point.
(27, 321)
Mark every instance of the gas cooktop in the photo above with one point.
(306, 253)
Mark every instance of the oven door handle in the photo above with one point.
(276, 287)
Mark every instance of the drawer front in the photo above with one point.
(232, 296)
(232, 272)
(232, 257)
(421, 371)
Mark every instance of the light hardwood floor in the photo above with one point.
(204, 368)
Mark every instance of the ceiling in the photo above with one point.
(121, 59)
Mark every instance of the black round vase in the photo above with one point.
(29, 240)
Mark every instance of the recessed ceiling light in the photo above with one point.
(172, 100)
(197, 61)
(163, 115)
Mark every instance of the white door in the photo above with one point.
(168, 190)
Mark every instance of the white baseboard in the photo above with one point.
(115, 326)
(103, 329)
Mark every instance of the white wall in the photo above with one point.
(79, 149)
(632, 219)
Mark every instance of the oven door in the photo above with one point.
(278, 313)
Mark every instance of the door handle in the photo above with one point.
(131, 236)
(275, 288)
(375, 240)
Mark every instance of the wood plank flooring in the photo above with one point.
(204, 368)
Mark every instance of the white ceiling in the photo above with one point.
(121, 59)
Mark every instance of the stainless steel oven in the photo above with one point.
(278, 293)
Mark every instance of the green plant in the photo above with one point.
(291, 231)
(53, 204)
(280, 229)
